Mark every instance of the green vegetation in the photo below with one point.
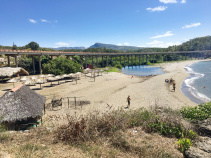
(61, 65)
(200, 112)
(184, 144)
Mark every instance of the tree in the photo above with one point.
(61, 65)
(33, 45)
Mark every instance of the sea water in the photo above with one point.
(142, 70)
(197, 87)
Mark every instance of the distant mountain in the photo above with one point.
(64, 48)
(115, 47)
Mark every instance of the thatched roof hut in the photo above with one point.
(10, 71)
(21, 103)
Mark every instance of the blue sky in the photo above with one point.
(70, 23)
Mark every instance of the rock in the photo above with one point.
(204, 127)
(204, 144)
(194, 152)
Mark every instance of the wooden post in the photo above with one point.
(44, 109)
(68, 103)
(75, 102)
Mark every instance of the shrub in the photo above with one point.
(184, 144)
(119, 66)
(200, 112)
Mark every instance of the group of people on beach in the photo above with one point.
(171, 81)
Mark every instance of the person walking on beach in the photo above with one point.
(128, 101)
(174, 84)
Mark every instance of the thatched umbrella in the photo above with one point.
(42, 76)
(13, 80)
(21, 103)
(24, 78)
(34, 77)
(65, 76)
(58, 77)
(49, 75)
(51, 79)
(29, 82)
(39, 81)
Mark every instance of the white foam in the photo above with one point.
(189, 82)
(198, 95)
(194, 76)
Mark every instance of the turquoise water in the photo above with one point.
(142, 70)
(197, 87)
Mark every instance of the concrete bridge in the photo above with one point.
(129, 55)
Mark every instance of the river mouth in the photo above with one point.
(142, 70)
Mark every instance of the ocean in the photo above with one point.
(197, 87)
(142, 70)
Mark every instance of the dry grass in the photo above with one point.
(112, 134)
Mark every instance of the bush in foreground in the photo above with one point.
(200, 112)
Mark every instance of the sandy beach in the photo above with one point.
(110, 91)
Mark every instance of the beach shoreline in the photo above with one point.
(110, 91)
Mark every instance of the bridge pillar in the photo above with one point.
(16, 60)
(85, 61)
(73, 58)
(146, 59)
(8, 59)
(132, 60)
(153, 58)
(102, 61)
(124, 60)
(97, 61)
(92, 63)
(135, 60)
(107, 61)
(115, 59)
(33, 65)
(139, 60)
(40, 67)
(111, 61)
(128, 58)
(120, 59)
(142, 59)
(166, 57)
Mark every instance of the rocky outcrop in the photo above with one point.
(202, 148)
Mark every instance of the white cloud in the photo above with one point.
(162, 44)
(191, 25)
(32, 21)
(43, 20)
(155, 42)
(119, 44)
(168, 1)
(183, 1)
(62, 44)
(160, 8)
(167, 34)
(126, 44)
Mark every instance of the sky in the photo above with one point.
(74, 23)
